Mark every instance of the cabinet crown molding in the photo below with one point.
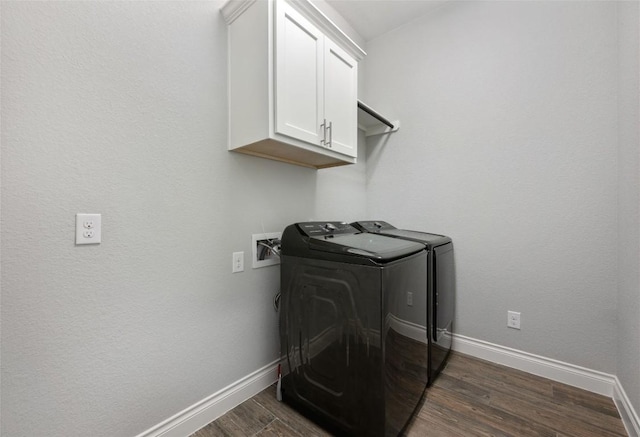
(232, 9)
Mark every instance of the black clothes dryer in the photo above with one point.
(342, 291)
(440, 290)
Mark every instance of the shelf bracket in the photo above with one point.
(373, 123)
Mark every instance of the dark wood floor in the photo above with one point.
(471, 397)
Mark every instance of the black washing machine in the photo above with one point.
(343, 291)
(440, 288)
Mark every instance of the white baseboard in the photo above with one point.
(209, 409)
(627, 413)
(587, 379)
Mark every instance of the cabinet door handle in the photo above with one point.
(330, 133)
(323, 126)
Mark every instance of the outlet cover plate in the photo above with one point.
(513, 319)
(88, 228)
(237, 262)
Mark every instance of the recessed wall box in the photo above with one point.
(265, 248)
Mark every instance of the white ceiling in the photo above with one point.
(372, 18)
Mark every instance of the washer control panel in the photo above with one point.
(323, 229)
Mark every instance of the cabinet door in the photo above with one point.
(299, 76)
(341, 99)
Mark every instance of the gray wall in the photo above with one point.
(511, 114)
(119, 108)
(628, 333)
(508, 144)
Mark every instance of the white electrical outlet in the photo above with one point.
(409, 298)
(238, 262)
(513, 319)
(88, 228)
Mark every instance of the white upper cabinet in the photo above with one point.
(340, 90)
(292, 84)
(299, 76)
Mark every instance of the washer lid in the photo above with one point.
(373, 226)
(423, 237)
(373, 246)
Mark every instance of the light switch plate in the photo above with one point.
(88, 228)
